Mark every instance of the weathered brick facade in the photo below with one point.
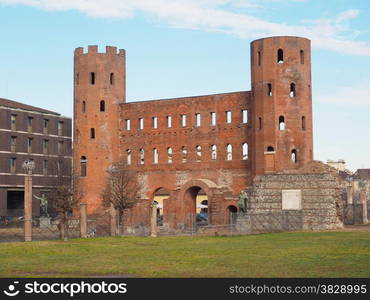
(225, 141)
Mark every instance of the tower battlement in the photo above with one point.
(94, 49)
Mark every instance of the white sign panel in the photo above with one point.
(291, 199)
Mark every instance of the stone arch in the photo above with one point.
(161, 196)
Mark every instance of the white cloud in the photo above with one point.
(213, 15)
(358, 96)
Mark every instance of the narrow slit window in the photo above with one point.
(128, 124)
(245, 151)
(111, 78)
(269, 89)
(259, 123)
(141, 123)
(77, 79)
(280, 56)
(128, 152)
(155, 156)
(92, 78)
(303, 123)
(92, 133)
(294, 156)
(169, 121)
(183, 120)
(142, 157)
(301, 55)
(198, 150)
(213, 152)
(229, 152)
(83, 106)
(184, 154)
(83, 166)
(281, 123)
(245, 116)
(213, 119)
(155, 122)
(197, 120)
(169, 155)
(259, 58)
(292, 93)
(102, 105)
(228, 117)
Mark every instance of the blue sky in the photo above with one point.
(193, 47)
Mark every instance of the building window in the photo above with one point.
(280, 56)
(142, 158)
(83, 106)
(45, 125)
(183, 120)
(102, 105)
(281, 123)
(155, 156)
(169, 121)
(184, 154)
(13, 122)
(128, 152)
(245, 116)
(77, 79)
(197, 120)
(92, 133)
(303, 123)
(270, 149)
(13, 161)
(229, 152)
(111, 78)
(155, 122)
(29, 144)
(44, 167)
(269, 89)
(169, 155)
(245, 151)
(92, 78)
(213, 152)
(29, 124)
(228, 117)
(128, 124)
(45, 146)
(213, 119)
(141, 123)
(13, 143)
(292, 90)
(294, 156)
(259, 123)
(198, 150)
(83, 166)
(60, 127)
(259, 58)
(60, 147)
(301, 55)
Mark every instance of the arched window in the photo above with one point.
(155, 156)
(169, 155)
(111, 78)
(294, 156)
(281, 123)
(213, 152)
(102, 105)
(301, 55)
(83, 106)
(270, 149)
(184, 154)
(198, 150)
(245, 151)
(292, 90)
(141, 156)
(229, 152)
(280, 56)
(83, 166)
(269, 89)
(128, 151)
(92, 78)
(92, 133)
(303, 123)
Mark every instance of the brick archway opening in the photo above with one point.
(160, 197)
(196, 205)
(232, 214)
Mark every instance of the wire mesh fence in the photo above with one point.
(11, 229)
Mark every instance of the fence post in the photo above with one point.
(83, 220)
(28, 208)
(113, 220)
(153, 231)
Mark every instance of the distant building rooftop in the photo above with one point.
(17, 105)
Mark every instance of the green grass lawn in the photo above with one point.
(290, 254)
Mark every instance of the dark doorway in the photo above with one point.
(15, 203)
(233, 211)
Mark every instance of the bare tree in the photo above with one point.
(65, 196)
(121, 189)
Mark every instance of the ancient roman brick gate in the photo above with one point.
(216, 144)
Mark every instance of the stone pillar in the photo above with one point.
(28, 208)
(113, 221)
(349, 217)
(154, 220)
(83, 220)
(350, 194)
(363, 201)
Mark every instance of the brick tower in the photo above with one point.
(282, 105)
(99, 88)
